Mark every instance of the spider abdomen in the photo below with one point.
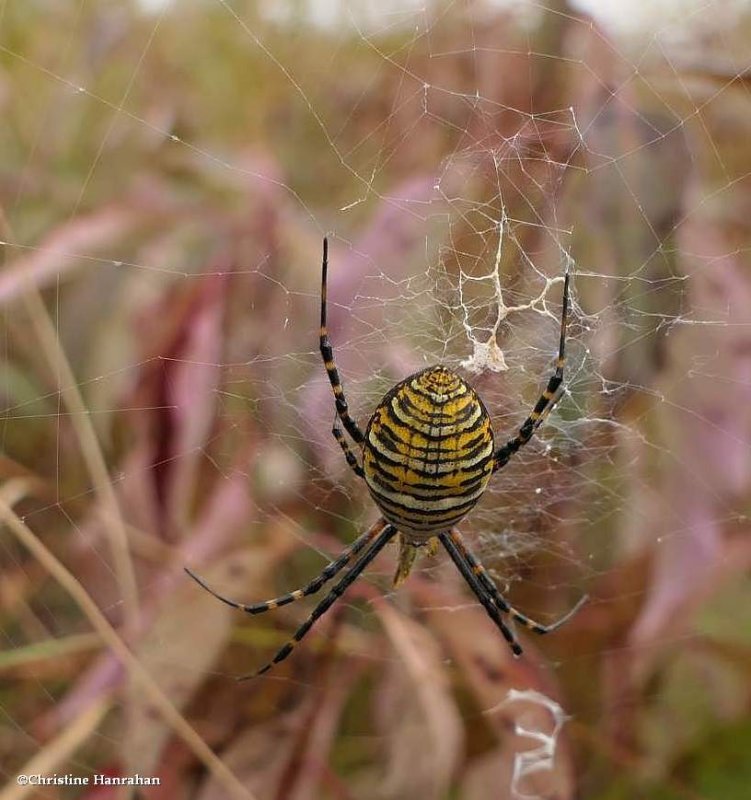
(428, 452)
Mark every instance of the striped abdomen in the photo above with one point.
(428, 452)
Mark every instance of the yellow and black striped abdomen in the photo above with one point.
(428, 452)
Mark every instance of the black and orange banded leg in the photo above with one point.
(327, 352)
(348, 454)
(548, 398)
(326, 575)
(487, 582)
(458, 553)
(386, 534)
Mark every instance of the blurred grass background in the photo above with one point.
(166, 177)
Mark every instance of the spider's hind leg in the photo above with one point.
(327, 353)
(550, 396)
(337, 433)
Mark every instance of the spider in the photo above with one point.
(426, 456)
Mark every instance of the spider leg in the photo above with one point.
(548, 398)
(386, 533)
(487, 582)
(326, 575)
(348, 454)
(327, 352)
(458, 552)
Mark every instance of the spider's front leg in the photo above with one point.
(328, 572)
(458, 553)
(486, 590)
(386, 532)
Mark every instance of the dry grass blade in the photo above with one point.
(179, 648)
(426, 736)
(59, 750)
(92, 453)
(221, 518)
(135, 669)
(60, 252)
(49, 650)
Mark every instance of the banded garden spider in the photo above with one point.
(427, 456)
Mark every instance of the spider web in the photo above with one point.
(170, 169)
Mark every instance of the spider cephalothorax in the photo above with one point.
(427, 455)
